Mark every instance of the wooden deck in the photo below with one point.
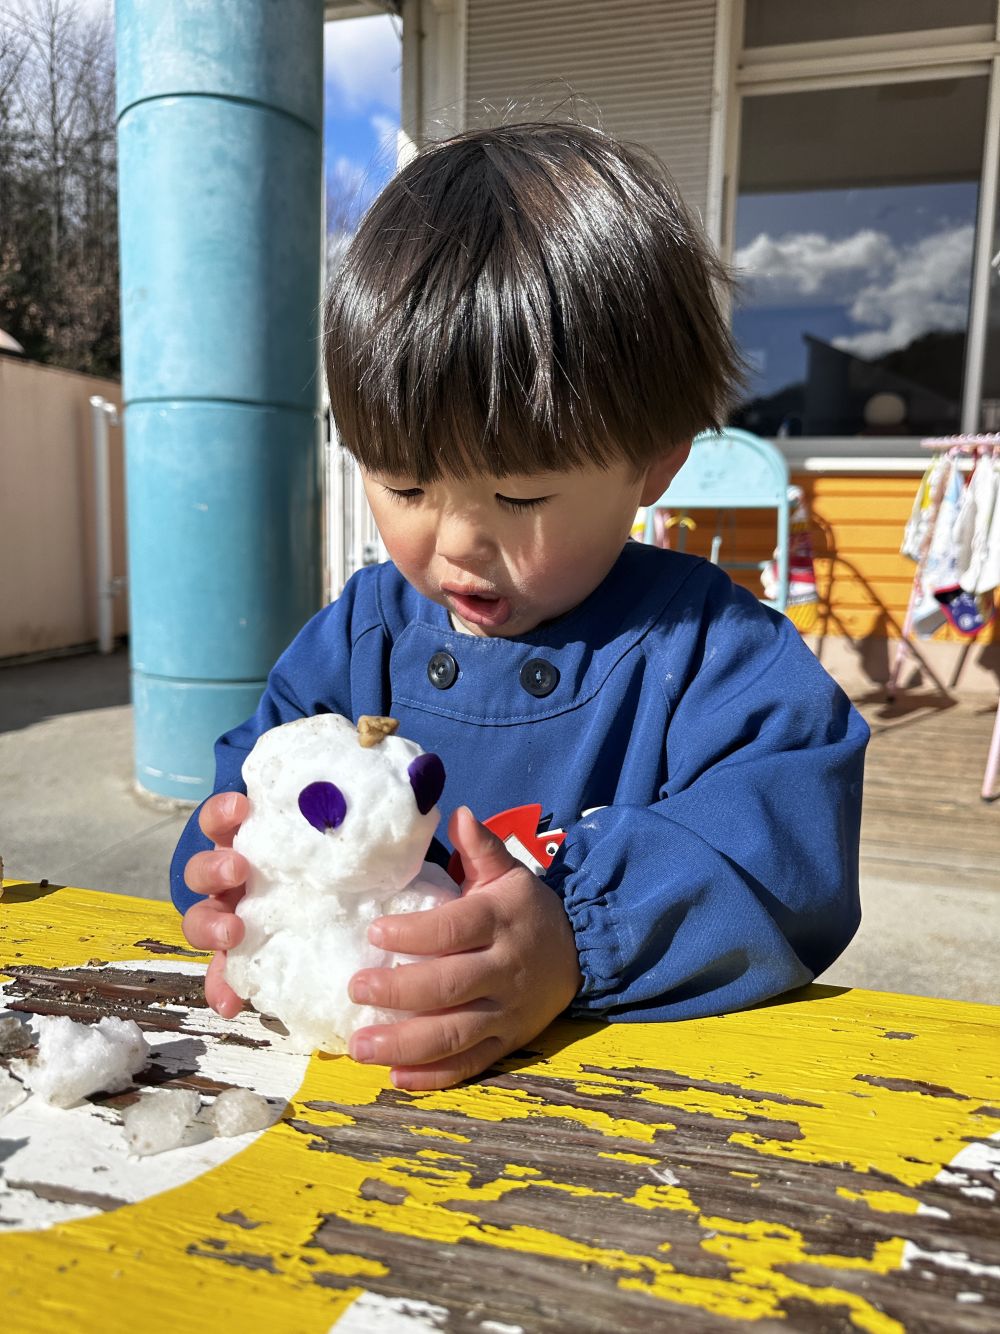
(924, 818)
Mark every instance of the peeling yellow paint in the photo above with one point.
(882, 1201)
(800, 1073)
(432, 1132)
(662, 1197)
(489, 1103)
(758, 1253)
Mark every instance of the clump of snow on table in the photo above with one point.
(238, 1111)
(12, 1092)
(174, 1118)
(75, 1060)
(340, 821)
(160, 1121)
(14, 1035)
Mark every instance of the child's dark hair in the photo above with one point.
(526, 299)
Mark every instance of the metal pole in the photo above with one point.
(103, 413)
(220, 182)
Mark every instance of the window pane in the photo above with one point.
(776, 22)
(854, 233)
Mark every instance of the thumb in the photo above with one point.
(484, 857)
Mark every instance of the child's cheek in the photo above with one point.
(411, 554)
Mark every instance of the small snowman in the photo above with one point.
(340, 820)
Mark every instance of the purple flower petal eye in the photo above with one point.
(323, 805)
(427, 780)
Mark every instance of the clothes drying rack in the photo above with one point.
(956, 447)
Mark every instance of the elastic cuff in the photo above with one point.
(588, 907)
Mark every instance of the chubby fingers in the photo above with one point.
(221, 816)
(463, 924)
(446, 1073)
(219, 994)
(484, 856)
(213, 925)
(436, 984)
(433, 1050)
(220, 875)
(216, 872)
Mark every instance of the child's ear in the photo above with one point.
(660, 474)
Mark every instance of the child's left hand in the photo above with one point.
(508, 966)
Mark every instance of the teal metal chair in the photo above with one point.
(732, 470)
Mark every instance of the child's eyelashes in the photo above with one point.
(405, 497)
(410, 495)
(519, 506)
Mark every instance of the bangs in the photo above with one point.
(526, 299)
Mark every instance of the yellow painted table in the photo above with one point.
(828, 1163)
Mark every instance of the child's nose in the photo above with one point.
(461, 539)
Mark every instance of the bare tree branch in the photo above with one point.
(58, 227)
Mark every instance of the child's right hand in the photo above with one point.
(221, 875)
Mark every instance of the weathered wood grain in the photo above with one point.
(830, 1163)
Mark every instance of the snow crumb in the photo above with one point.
(238, 1111)
(75, 1060)
(665, 1175)
(14, 1035)
(160, 1121)
(12, 1092)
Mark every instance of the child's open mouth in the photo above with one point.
(479, 608)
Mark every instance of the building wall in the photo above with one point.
(47, 529)
(526, 60)
(863, 583)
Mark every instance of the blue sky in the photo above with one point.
(362, 60)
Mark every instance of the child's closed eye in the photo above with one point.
(404, 495)
(512, 503)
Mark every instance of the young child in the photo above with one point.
(521, 342)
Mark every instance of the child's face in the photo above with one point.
(506, 554)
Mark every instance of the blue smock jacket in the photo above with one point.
(722, 867)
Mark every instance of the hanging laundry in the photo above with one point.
(965, 612)
(917, 531)
(940, 563)
(977, 529)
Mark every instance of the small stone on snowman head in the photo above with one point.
(372, 729)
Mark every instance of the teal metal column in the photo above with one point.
(219, 141)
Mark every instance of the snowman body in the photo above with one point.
(335, 837)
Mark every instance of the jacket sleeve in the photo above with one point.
(313, 675)
(741, 881)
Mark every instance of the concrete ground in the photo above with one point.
(69, 814)
(68, 809)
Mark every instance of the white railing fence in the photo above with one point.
(351, 538)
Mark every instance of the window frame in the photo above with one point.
(903, 57)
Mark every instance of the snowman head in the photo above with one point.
(348, 809)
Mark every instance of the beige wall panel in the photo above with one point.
(47, 529)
